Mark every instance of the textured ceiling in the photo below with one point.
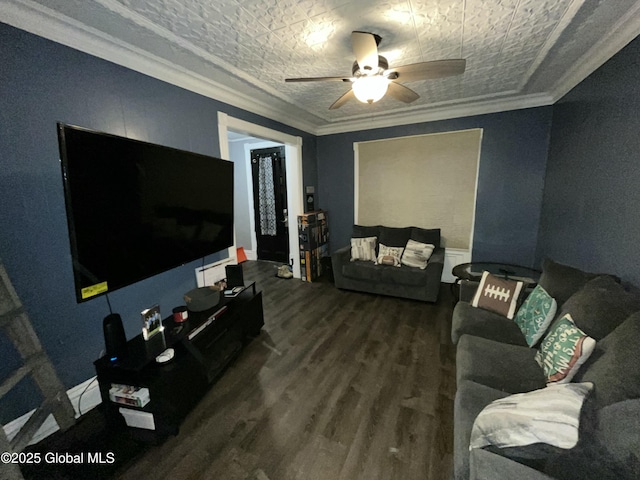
(519, 52)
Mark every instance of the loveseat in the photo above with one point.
(494, 361)
(399, 278)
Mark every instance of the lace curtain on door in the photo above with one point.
(267, 198)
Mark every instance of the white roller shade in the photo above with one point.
(425, 181)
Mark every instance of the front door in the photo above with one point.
(268, 170)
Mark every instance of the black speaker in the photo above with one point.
(234, 276)
(115, 340)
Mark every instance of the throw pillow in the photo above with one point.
(563, 350)
(536, 314)
(550, 416)
(389, 255)
(417, 254)
(363, 249)
(497, 294)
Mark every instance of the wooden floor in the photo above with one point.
(339, 385)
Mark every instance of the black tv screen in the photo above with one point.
(136, 209)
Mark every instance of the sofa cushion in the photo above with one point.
(417, 254)
(549, 415)
(487, 465)
(383, 274)
(483, 323)
(497, 294)
(389, 255)
(618, 437)
(470, 399)
(613, 367)
(424, 235)
(600, 306)
(394, 237)
(363, 249)
(510, 368)
(609, 446)
(535, 315)
(564, 349)
(361, 231)
(562, 281)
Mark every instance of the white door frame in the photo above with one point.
(293, 156)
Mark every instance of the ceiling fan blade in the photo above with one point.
(402, 93)
(319, 79)
(343, 99)
(427, 70)
(365, 48)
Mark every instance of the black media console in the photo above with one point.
(151, 398)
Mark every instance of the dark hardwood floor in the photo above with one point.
(339, 385)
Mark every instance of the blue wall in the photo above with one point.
(510, 184)
(42, 83)
(592, 190)
(588, 208)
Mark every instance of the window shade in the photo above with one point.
(425, 181)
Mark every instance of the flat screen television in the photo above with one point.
(136, 209)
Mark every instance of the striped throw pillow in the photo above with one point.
(417, 254)
(363, 249)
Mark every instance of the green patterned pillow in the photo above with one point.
(563, 350)
(536, 314)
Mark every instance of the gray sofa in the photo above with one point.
(493, 362)
(406, 282)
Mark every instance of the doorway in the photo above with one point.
(268, 172)
(293, 165)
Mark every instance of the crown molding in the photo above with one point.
(46, 23)
(623, 32)
(444, 112)
(564, 23)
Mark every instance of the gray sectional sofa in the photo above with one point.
(406, 282)
(494, 361)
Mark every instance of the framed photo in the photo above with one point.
(151, 322)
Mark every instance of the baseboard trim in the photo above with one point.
(88, 390)
(453, 257)
(251, 254)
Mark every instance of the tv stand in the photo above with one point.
(204, 346)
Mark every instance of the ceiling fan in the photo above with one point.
(372, 78)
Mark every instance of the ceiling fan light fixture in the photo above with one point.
(370, 89)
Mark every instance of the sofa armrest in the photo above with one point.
(436, 265)
(486, 465)
(339, 258)
(468, 289)
(434, 274)
(437, 256)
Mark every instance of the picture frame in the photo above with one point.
(151, 321)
